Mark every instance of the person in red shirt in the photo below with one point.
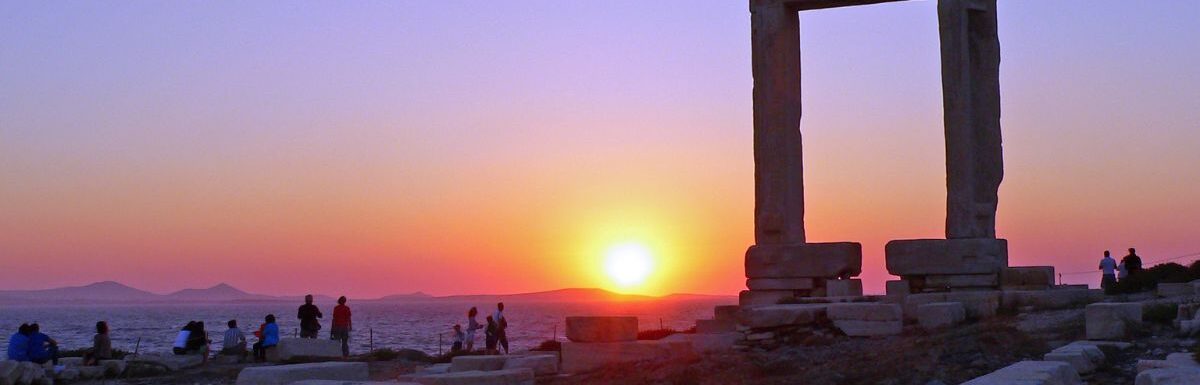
(341, 325)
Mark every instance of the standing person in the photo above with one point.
(1132, 262)
(489, 336)
(458, 339)
(472, 326)
(1108, 265)
(18, 344)
(234, 343)
(501, 327)
(308, 314)
(42, 348)
(341, 325)
(101, 346)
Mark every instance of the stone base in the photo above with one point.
(1027, 277)
(602, 329)
(957, 281)
(978, 304)
(1112, 321)
(866, 319)
(781, 315)
(1031, 373)
(287, 374)
(175, 363)
(922, 257)
(804, 260)
(583, 357)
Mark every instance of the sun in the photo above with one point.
(628, 264)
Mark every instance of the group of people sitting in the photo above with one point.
(193, 339)
(29, 344)
(495, 334)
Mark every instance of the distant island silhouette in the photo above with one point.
(110, 292)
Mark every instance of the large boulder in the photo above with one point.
(290, 348)
(804, 260)
(113, 368)
(522, 376)
(946, 256)
(1112, 321)
(1031, 373)
(287, 374)
(602, 329)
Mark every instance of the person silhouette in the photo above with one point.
(308, 314)
(1109, 266)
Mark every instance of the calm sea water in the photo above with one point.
(394, 325)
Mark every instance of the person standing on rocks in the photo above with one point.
(1132, 262)
(1109, 266)
(341, 325)
(501, 326)
(472, 326)
(308, 315)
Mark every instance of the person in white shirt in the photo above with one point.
(234, 343)
(1108, 265)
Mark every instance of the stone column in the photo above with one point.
(971, 98)
(778, 157)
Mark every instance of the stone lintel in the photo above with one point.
(804, 260)
(808, 5)
(924, 257)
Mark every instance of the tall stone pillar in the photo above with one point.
(971, 98)
(782, 264)
(778, 156)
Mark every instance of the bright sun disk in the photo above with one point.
(628, 264)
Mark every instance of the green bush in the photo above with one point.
(1162, 313)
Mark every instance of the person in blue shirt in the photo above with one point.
(42, 348)
(268, 339)
(18, 344)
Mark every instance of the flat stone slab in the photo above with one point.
(1049, 299)
(1083, 358)
(864, 311)
(174, 362)
(1112, 321)
(946, 256)
(978, 304)
(804, 260)
(1030, 373)
(962, 280)
(290, 348)
(476, 363)
(781, 315)
(602, 329)
(287, 374)
(522, 376)
(583, 357)
(937, 315)
(1027, 276)
(854, 328)
(781, 283)
(541, 364)
(843, 288)
(1168, 376)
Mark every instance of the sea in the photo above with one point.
(425, 326)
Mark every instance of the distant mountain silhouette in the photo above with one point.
(109, 292)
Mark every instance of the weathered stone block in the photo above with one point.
(1083, 358)
(173, 362)
(726, 312)
(602, 329)
(843, 288)
(1112, 321)
(749, 298)
(9, 372)
(864, 311)
(290, 348)
(705, 343)
(1049, 299)
(961, 280)
(712, 326)
(541, 364)
(780, 283)
(90, 372)
(938, 315)
(286, 374)
(336, 382)
(1040, 277)
(1176, 289)
(813, 260)
(476, 363)
(781, 315)
(584, 357)
(898, 288)
(869, 328)
(522, 376)
(1168, 376)
(978, 304)
(946, 256)
(1031, 373)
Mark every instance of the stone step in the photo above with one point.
(541, 364)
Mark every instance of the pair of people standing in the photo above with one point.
(1130, 266)
(494, 334)
(310, 325)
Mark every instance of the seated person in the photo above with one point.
(42, 348)
(101, 346)
(18, 344)
(234, 343)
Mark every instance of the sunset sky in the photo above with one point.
(371, 148)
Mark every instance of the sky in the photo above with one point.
(370, 148)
